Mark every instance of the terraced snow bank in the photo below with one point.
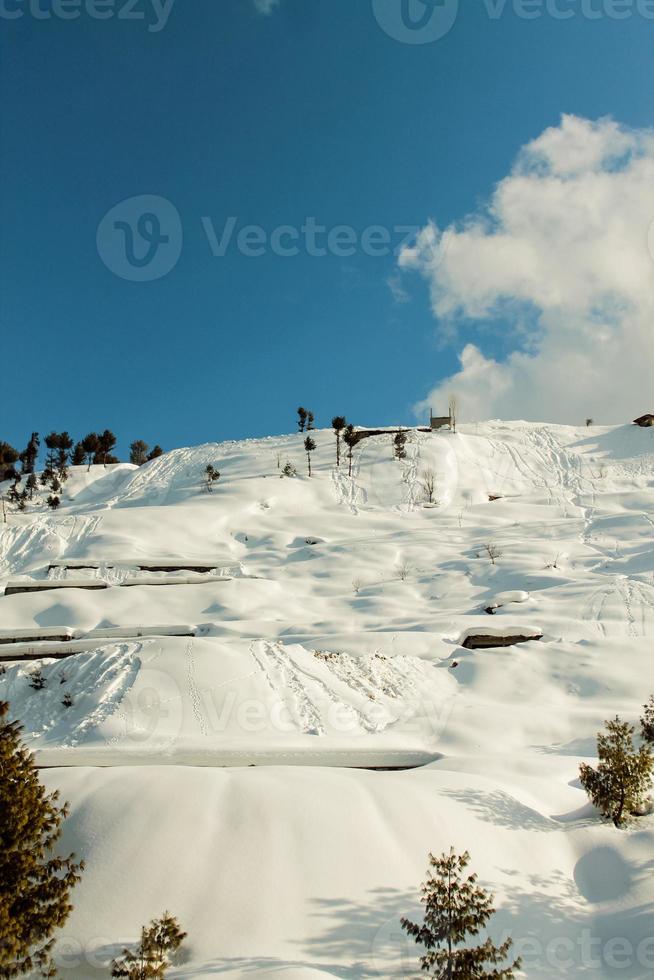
(257, 775)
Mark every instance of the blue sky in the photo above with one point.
(310, 111)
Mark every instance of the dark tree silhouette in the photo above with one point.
(30, 454)
(35, 883)
(106, 442)
(138, 452)
(155, 453)
(90, 444)
(309, 446)
(79, 456)
(302, 418)
(338, 424)
(350, 439)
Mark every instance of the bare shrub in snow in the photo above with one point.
(152, 957)
(211, 476)
(37, 680)
(357, 585)
(67, 700)
(403, 569)
(429, 485)
(493, 552)
(457, 908)
(619, 785)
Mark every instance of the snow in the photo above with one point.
(224, 774)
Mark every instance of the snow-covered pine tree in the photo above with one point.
(619, 785)
(456, 909)
(35, 884)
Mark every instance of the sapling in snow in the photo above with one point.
(152, 957)
(456, 910)
(338, 424)
(623, 778)
(309, 447)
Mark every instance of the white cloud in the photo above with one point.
(266, 7)
(561, 256)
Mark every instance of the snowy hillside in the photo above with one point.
(249, 661)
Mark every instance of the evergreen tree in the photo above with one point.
(338, 424)
(53, 502)
(619, 785)
(30, 454)
(106, 442)
(455, 909)
(155, 453)
(310, 421)
(309, 446)
(8, 456)
(302, 418)
(35, 884)
(400, 443)
(90, 445)
(151, 958)
(64, 446)
(52, 444)
(79, 456)
(31, 485)
(647, 721)
(138, 452)
(350, 439)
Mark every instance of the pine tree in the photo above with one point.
(53, 502)
(455, 909)
(400, 442)
(64, 446)
(338, 424)
(647, 721)
(138, 452)
(79, 456)
(30, 454)
(52, 444)
(31, 485)
(302, 418)
(8, 456)
(350, 439)
(90, 445)
(619, 785)
(151, 958)
(106, 442)
(311, 418)
(309, 446)
(35, 884)
(155, 453)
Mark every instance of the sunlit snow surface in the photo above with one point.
(211, 773)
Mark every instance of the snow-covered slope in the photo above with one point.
(211, 772)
